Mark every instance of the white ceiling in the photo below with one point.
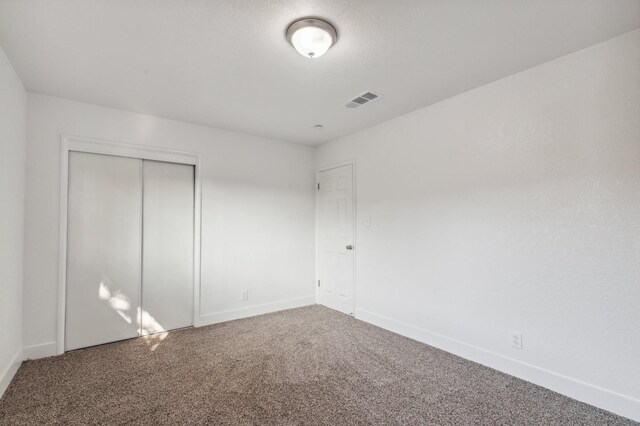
(227, 64)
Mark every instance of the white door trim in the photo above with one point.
(355, 227)
(144, 152)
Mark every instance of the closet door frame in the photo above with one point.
(144, 152)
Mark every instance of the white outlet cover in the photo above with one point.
(516, 339)
(367, 221)
(244, 295)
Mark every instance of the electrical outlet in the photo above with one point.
(244, 295)
(367, 221)
(516, 339)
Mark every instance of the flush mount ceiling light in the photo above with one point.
(312, 37)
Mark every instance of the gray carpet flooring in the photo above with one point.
(302, 366)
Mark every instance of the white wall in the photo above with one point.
(13, 142)
(513, 207)
(257, 212)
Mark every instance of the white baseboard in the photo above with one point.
(42, 350)
(606, 399)
(251, 311)
(10, 371)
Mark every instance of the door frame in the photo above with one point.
(352, 163)
(144, 152)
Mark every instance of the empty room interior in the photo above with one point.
(280, 212)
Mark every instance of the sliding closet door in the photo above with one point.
(167, 271)
(103, 249)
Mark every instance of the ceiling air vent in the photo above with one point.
(365, 98)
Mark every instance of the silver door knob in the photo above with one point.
(349, 247)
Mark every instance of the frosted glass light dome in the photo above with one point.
(311, 37)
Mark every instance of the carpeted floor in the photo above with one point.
(302, 366)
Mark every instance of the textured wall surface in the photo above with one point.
(13, 142)
(513, 207)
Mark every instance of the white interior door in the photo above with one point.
(103, 249)
(167, 265)
(336, 238)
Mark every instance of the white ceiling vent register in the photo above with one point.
(363, 99)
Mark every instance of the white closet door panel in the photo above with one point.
(103, 249)
(167, 271)
(336, 238)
